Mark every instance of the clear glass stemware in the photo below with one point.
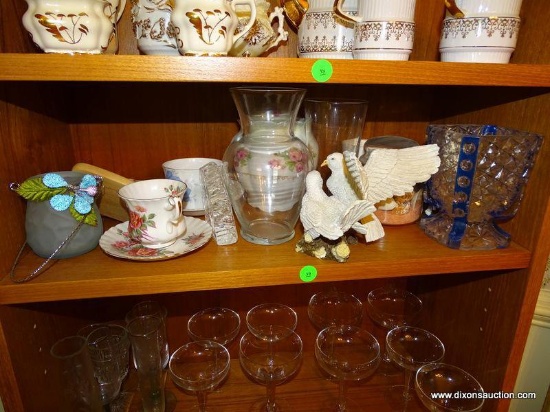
(410, 348)
(390, 307)
(347, 353)
(271, 321)
(442, 378)
(270, 363)
(216, 324)
(199, 367)
(334, 308)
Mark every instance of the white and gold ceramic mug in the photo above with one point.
(207, 27)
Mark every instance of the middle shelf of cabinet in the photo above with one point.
(404, 251)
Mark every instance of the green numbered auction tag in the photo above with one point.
(321, 70)
(308, 273)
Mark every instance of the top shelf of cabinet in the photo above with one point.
(132, 68)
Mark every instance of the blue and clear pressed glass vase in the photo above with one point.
(480, 182)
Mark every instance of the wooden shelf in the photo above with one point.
(404, 251)
(132, 68)
(238, 393)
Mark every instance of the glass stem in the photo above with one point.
(201, 398)
(270, 404)
(406, 390)
(342, 390)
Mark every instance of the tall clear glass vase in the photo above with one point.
(267, 166)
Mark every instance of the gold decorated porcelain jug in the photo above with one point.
(263, 36)
(207, 27)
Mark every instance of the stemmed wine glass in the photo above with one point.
(444, 378)
(216, 324)
(390, 307)
(270, 363)
(199, 367)
(347, 353)
(271, 321)
(411, 348)
(334, 308)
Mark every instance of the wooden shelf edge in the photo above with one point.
(404, 251)
(134, 68)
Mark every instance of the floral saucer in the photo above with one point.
(116, 242)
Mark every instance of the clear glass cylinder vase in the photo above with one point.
(480, 182)
(267, 166)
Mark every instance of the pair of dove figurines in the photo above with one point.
(355, 190)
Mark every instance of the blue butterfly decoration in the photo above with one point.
(83, 196)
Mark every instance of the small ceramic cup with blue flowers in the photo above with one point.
(187, 170)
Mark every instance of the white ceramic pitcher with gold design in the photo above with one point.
(207, 27)
(263, 36)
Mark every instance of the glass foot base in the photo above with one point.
(349, 406)
(400, 398)
(476, 235)
(281, 405)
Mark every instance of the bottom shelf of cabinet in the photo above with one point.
(309, 390)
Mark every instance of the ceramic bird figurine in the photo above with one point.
(327, 218)
(386, 173)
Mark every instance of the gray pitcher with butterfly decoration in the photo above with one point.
(62, 218)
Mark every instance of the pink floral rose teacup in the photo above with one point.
(156, 211)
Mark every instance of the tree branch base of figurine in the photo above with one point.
(326, 249)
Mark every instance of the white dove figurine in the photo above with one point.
(386, 173)
(327, 216)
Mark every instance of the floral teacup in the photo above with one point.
(156, 211)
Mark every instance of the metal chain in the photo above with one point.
(38, 270)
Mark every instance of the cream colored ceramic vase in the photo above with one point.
(151, 23)
(70, 26)
(262, 37)
(207, 27)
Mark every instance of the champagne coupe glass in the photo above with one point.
(437, 378)
(271, 321)
(411, 348)
(390, 307)
(199, 367)
(334, 308)
(347, 353)
(216, 324)
(270, 363)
